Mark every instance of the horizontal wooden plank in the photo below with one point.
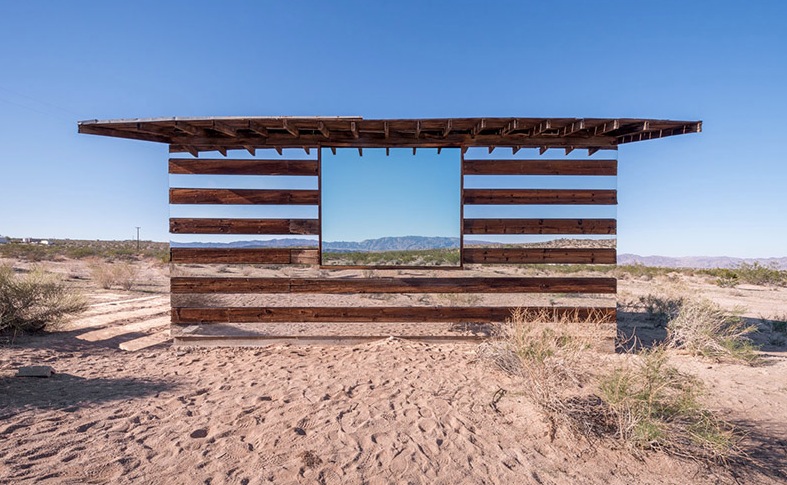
(180, 285)
(478, 255)
(243, 167)
(540, 196)
(244, 226)
(378, 314)
(541, 167)
(539, 226)
(245, 255)
(243, 196)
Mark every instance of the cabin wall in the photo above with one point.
(532, 227)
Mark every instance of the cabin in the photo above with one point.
(534, 203)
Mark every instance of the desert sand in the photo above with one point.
(388, 411)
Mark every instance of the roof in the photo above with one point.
(230, 133)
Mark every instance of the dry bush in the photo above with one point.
(655, 407)
(702, 327)
(643, 402)
(35, 300)
(549, 355)
(107, 275)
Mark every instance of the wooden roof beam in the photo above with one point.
(448, 127)
(478, 128)
(323, 129)
(572, 128)
(224, 129)
(252, 151)
(515, 149)
(539, 128)
(187, 129)
(542, 150)
(510, 126)
(291, 129)
(258, 129)
(193, 150)
(591, 151)
(607, 127)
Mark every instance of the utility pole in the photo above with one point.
(137, 237)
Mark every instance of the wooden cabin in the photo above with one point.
(227, 295)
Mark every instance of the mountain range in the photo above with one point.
(405, 243)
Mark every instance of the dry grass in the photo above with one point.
(642, 402)
(702, 327)
(655, 407)
(35, 300)
(122, 274)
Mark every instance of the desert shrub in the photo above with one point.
(779, 324)
(727, 278)
(655, 407)
(547, 353)
(663, 307)
(35, 300)
(702, 327)
(757, 274)
(107, 275)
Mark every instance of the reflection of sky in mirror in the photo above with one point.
(382, 196)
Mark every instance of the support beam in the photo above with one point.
(186, 128)
(478, 128)
(224, 129)
(387, 151)
(414, 151)
(542, 150)
(278, 150)
(515, 149)
(448, 127)
(386, 129)
(323, 129)
(511, 126)
(418, 129)
(569, 150)
(572, 128)
(438, 150)
(252, 151)
(491, 149)
(605, 128)
(360, 152)
(291, 129)
(222, 150)
(307, 150)
(194, 152)
(333, 150)
(539, 128)
(258, 129)
(591, 151)
(354, 129)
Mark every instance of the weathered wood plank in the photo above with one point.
(377, 314)
(477, 255)
(180, 285)
(539, 226)
(540, 196)
(245, 256)
(244, 226)
(541, 167)
(243, 196)
(243, 167)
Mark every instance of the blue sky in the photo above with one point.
(717, 193)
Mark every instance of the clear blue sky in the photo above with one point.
(718, 193)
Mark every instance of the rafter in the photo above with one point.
(572, 128)
(193, 150)
(360, 152)
(222, 150)
(224, 129)
(605, 128)
(539, 128)
(307, 150)
(542, 150)
(333, 150)
(448, 127)
(291, 129)
(438, 150)
(510, 126)
(491, 149)
(186, 128)
(387, 151)
(515, 149)
(258, 129)
(323, 129)
(591, 151)
(569, 150)
(478, 128)
(250, 149)
(278, 150)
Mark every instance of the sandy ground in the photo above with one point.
(389, 411)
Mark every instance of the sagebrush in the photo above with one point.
(35, 300)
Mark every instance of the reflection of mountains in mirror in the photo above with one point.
(398, 243)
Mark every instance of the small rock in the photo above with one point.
(300, 431)
(199, 433)
(35, 371)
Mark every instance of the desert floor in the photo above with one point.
(126, 406)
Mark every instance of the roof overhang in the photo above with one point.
(195, 135)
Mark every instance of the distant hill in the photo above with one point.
(400, 243)
(698, 261)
